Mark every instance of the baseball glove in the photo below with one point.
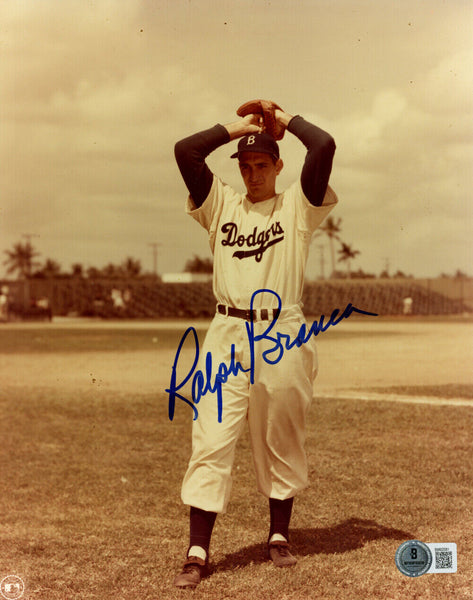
(266, 109)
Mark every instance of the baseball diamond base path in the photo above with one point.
(354, 358)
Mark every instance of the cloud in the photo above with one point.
(448, 87)
(95, 94)
(404, 167)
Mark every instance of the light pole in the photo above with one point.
(322, 261)
(29, 266)
(154, 247)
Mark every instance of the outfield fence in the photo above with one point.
(143, 298)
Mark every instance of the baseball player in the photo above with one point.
(260, 240)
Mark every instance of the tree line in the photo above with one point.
(22, 260)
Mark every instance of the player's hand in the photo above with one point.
(248, 124)
(254, 123)
(282, 117)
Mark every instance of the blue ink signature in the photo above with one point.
(203, 382)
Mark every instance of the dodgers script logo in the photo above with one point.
(257, 241)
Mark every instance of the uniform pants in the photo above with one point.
(275, 407)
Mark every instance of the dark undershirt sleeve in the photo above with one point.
(191, 153)
(318, 161)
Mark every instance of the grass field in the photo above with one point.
(91, 470)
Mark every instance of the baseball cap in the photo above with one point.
(257, 142)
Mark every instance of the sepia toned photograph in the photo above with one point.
(236, 299)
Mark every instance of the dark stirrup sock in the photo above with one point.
(280, 514)
(201, 526)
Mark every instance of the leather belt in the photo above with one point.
(257, 314)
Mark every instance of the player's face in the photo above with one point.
(259, 173)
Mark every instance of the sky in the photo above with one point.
(95, 93)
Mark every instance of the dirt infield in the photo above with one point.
(356, 355)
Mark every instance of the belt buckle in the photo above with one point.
(250, 315)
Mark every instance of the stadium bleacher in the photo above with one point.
(148, 299)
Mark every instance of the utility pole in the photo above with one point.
(386, 266)
(154, 247)
(26, 282)
(322, 261)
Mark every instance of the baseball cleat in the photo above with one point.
(193, 571)
(280, 555)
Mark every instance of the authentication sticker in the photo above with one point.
(413, 558)
(445, 558)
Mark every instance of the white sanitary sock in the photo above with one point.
(197, 551)
(277, 537)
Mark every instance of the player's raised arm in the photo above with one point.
(320, 151)
(192, 151)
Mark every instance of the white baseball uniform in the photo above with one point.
(255, 246)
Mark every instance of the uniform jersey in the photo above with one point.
(259, 245)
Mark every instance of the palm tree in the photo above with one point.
(111, 271)
(196, 264)
(77, 270)
(131, 267)
(331, 228)
(21, 259)
(347, 253)
(51, 268)
(93, 273)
